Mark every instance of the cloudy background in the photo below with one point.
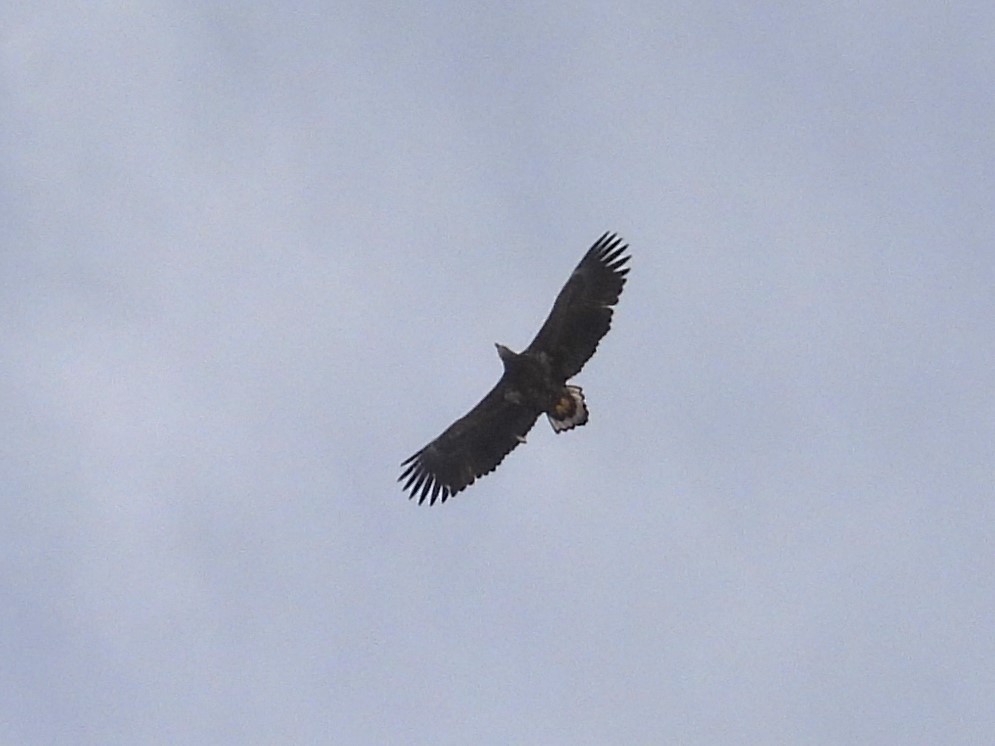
(251, 259)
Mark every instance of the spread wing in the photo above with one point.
(582, 313)
(469, 448)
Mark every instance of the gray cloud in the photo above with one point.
(252, 260)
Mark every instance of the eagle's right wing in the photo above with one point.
(469, 448)
(582, 313)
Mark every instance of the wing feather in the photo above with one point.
(582, 313)
(469, 448)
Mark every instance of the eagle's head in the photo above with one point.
(505, 354)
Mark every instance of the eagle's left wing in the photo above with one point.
(469, 448)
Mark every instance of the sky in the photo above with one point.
(254, 257)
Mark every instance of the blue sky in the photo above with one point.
(254, 258)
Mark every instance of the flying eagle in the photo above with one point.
(534, 381)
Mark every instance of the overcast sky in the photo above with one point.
(251, 259)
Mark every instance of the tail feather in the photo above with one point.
(570, 411)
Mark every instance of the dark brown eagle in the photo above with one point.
(534, 381)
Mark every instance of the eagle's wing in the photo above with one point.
(582, 313)
(469, 448)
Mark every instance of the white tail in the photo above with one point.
(570, 411)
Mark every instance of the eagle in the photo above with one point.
(534, 382)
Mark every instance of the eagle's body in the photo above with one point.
(534, 382)
(529, 379)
